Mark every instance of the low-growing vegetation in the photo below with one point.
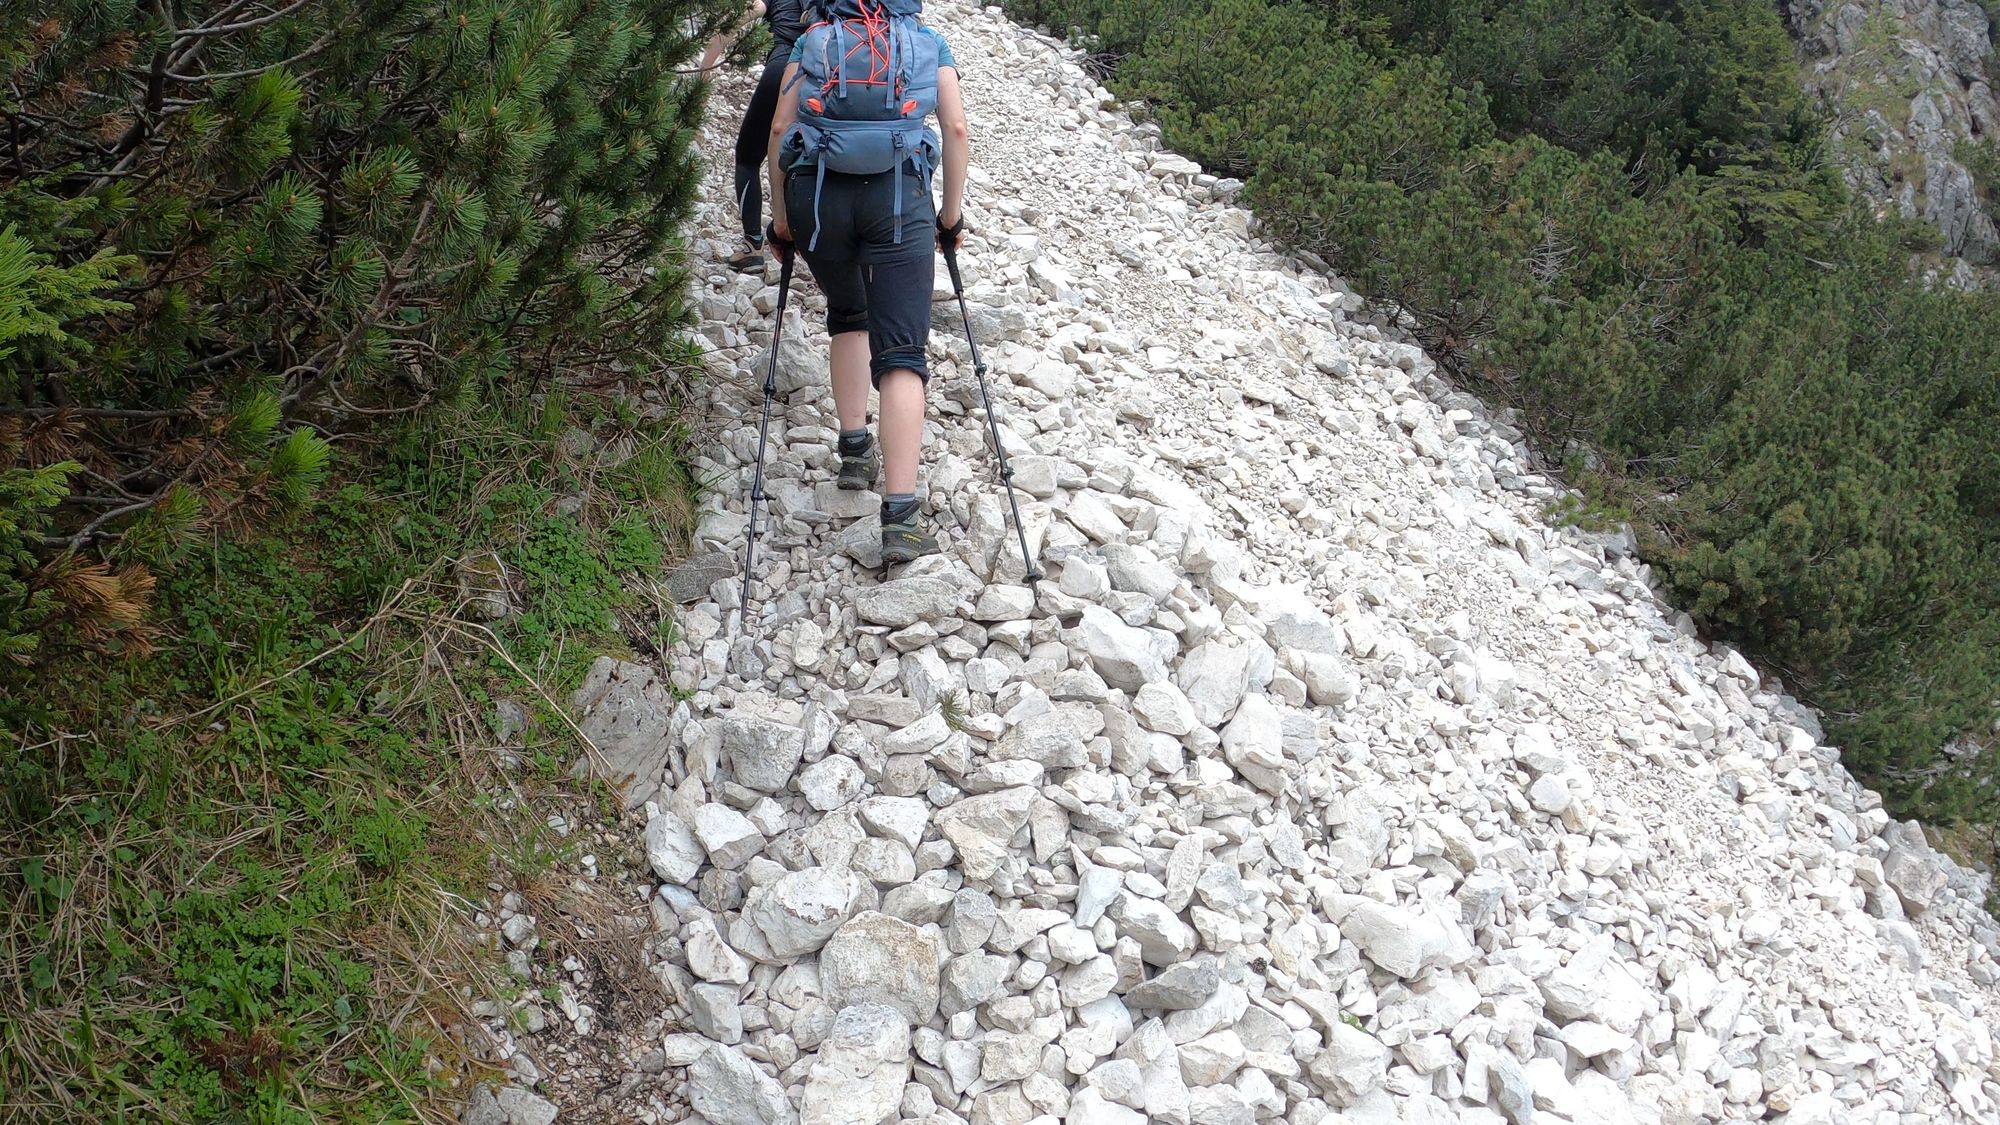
(343, 372)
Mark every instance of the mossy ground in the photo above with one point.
(240, 868)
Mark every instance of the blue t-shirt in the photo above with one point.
(943, 48)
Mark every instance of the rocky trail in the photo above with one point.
(1322, 778)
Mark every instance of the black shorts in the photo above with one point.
(876, 272)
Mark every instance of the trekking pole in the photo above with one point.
(979, 369)
(764, 427)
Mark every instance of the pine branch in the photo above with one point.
(324, 361)
(212, 28)
(91, 529)
(319, 45)
(156, 89)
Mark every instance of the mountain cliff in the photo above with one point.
(1915, 122)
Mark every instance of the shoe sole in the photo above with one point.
(896, 557)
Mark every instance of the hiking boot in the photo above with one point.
(906, 540)
(749, 261)
(858, 473)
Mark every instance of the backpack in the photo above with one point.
(867, 80)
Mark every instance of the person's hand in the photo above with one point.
(778, 237)
(951, 235)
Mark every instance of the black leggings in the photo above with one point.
(872, 279)
(753, 141)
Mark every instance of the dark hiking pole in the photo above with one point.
(764, 424)
(948, 242)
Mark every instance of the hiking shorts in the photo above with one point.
(872, 281)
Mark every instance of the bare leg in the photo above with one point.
(849, 358)
(902, 429)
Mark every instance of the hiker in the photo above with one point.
(851, 165)
(787, 19)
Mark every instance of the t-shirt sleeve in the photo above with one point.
(787, 19)
(798, 49)
(944, 50)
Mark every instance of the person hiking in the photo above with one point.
(851, 166)
(787, 19)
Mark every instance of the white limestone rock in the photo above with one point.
(1128, 658)
(672, 850)
(1214, 677)
(981, 828)
(1253, 742)
(796, 914)
(762, 753)
(874, 958)
(725, 1087)
(859, 1074)
(1402, 941)
(727, 835)
(1162, 707)
(905, 601)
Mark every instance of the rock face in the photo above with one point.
(795, 915)
(876, 959)
(728, 1089)
(1908, 153)
(859, 1075)
(1320, 780)
(625, 710)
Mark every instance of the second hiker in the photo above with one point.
(787, 20)
(851, 165)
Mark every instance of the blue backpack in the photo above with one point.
(867, 80)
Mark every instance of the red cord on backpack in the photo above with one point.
(871, 33)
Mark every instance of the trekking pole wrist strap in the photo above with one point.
(952, 232)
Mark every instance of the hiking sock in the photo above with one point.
(899, 507)
(854, 443)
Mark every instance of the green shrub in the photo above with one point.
(315, 211)
(279, 286)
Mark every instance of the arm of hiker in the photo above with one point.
(957, 149)
(719, 45)
(788, 112)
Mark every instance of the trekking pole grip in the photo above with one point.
(947, 238)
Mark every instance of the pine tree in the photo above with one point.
(310, 210)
